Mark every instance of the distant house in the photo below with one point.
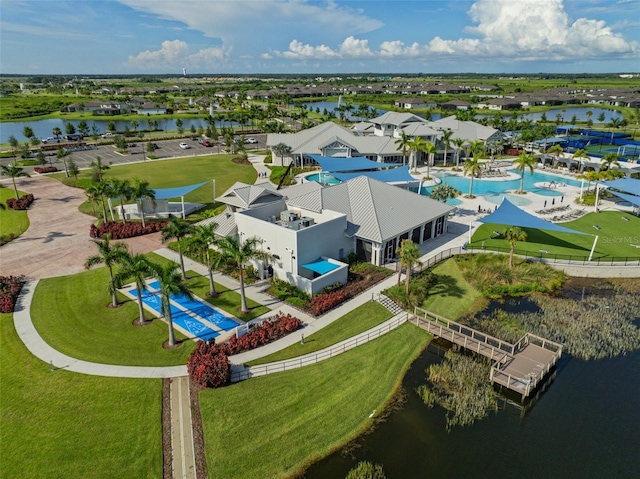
(151, 109)
(501, 104)
(412, 103)
(456, 105)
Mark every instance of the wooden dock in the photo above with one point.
(519, 367)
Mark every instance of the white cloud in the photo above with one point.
(504, 29)
(176, 54)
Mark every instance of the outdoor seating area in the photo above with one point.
(493, 173)
(571, 215)
(555, 209)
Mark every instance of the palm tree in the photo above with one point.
(56, 132)
(609, 160)
(170, 283)
(472, 168)
(458, 143)
(580, 154)
(136, 267)
(200, 242)
(122, 189)
(14, 171)
(476, 146)
(557, 150)
(101, 190)
(141, 191)
(512, 235)
(281, 149)
(446, 142)
(430, 150)
(177, 229)
(232, 251)
(108, 254)
(523, 162)
(415, 145)
(443, 192)
(404, 145)
(62, 155)
(408, 256)
(98, 168)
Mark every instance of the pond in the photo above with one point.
(43, 128)
(566, 114)
(584, 425)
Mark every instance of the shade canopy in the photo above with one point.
(166, 193)
(509, 214)
(321, 266)
(330, 164)
(634, 200)
(628, 185)
(394, 175)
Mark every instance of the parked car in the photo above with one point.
(108, 135)
(184, 146)
(193, 138)
(155, 146)
(204, 142)
(251, 140)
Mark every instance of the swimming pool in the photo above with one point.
(494, 190)
(193, 317)
(323, 178)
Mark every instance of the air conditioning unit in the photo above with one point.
(306, 222)
(288, 216)
(273, 219)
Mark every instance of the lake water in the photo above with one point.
(567, 115)
(585, 425)
(42, 128)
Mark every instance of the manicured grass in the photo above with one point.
(13, 222)
(179, 172)
(227, 300)
(616, 237)
(452, 296)
(70, 313)
(355, 322)
(274, 425)
(61, 424)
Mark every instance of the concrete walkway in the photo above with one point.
(182, 446)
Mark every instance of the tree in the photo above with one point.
(177, 229)
(416, 145)
(111, 125)
(135, 125)
(609, 160)
(170, 283)
(601, 117)
(13, 143)
(199, 243)
(121, 143)
(56, 131)
(109, 254)
(123, 190)
(62, 155)
(83, 128)
(472, 168)
(14, 171)
(232, 251)
(523, 162)
(366, 470)
(73, 169)
(141, 191)
(27, 132)
(137, 268)
(408, 256)
(512, 235)
(179, 126)
(580, 154)
(98, 168)
(102, 190)
(69, 128)
(430, 150)
(459, 144)
(443, 192)
(555, 150)
(404, 145)
(281, 149)
(40, 158)
(446, 142)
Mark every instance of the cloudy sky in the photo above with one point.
(337, 36)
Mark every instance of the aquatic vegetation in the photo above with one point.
(461, 385)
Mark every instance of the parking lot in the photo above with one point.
(137, 151)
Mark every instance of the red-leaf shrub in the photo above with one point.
(209, 365)
(125, 230)
(21, 203)
(45, 169)
(10, 287)
(326, 301)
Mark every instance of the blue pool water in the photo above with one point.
(324, 178)
(193, 325)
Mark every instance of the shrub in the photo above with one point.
(45, 169)
(21, 203)
(209, 364)
(125, 230)
(10, 287)
(326, 301)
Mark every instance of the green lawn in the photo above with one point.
(61, 424)
(12, 223)
(355, 322)
(616, 237)
(274, 425)
(452, 296)
(178, 172)
(70, 313)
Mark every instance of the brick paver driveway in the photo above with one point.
(57, 242)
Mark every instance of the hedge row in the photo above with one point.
(10, 287)
(209, 365)
(21, 203)
(125, 230)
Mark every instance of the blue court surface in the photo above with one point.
(195, 318)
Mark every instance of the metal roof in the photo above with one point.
(245, 196)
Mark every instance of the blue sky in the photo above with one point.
(297, 36)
